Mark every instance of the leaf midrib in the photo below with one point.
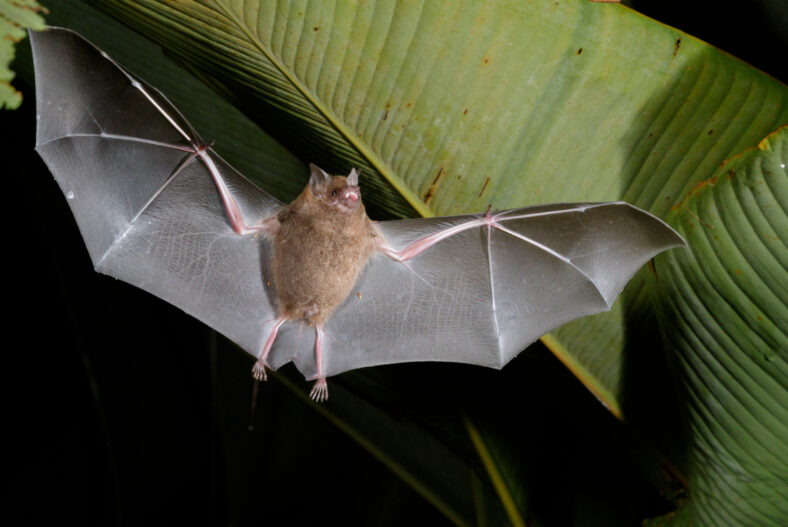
(405, 191)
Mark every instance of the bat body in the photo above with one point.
(321, 242)
(158, 208)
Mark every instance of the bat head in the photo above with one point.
(339, 193)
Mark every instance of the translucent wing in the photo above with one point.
(480, 296)
(146, 206)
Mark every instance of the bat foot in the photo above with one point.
(319, 391)
(258, 370)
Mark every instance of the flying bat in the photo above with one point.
(315, 282)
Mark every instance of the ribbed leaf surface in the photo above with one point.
(726, 319)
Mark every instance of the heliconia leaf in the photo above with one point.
(724, 305)
(499, 103)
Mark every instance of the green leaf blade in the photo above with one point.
(15, 17)
(725, 314)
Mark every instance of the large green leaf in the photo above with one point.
(725, 306)
(498, 103)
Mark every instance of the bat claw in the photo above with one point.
(319, 391)
(258, 370)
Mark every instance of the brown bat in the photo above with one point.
(321, 242)
(158, 208)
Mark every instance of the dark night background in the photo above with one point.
(120, 409)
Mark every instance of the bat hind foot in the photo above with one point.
(319, 391)
(258, 370)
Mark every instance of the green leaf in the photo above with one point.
(725, 308)
(413, 452)
(497, 469)
(15, 16)
(503, 103)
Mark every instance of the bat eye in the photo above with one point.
(333, 192)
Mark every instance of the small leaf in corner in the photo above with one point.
(15, 15)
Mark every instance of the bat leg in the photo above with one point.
(319, 391)
(258, 370)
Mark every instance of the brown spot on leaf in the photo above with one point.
(484, 187)
(710, 182)
(428, 195)
(385, 115)
(737, 271)
(465, 112)
(699, 219)
(676, 46)
(710, 132)
(579, 51)
(431, 191)
(486, 60)
(315, 28)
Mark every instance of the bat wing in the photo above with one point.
(151, 215)
(482, 295)
(147, 208)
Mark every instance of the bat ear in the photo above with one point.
(318, 180)
(352, 178)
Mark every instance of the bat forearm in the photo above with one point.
(425, 242)
(234, 213)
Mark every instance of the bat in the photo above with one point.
(315, 282)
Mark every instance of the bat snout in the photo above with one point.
(350, 196)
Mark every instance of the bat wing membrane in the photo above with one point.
(482, 295)
(146, 207)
